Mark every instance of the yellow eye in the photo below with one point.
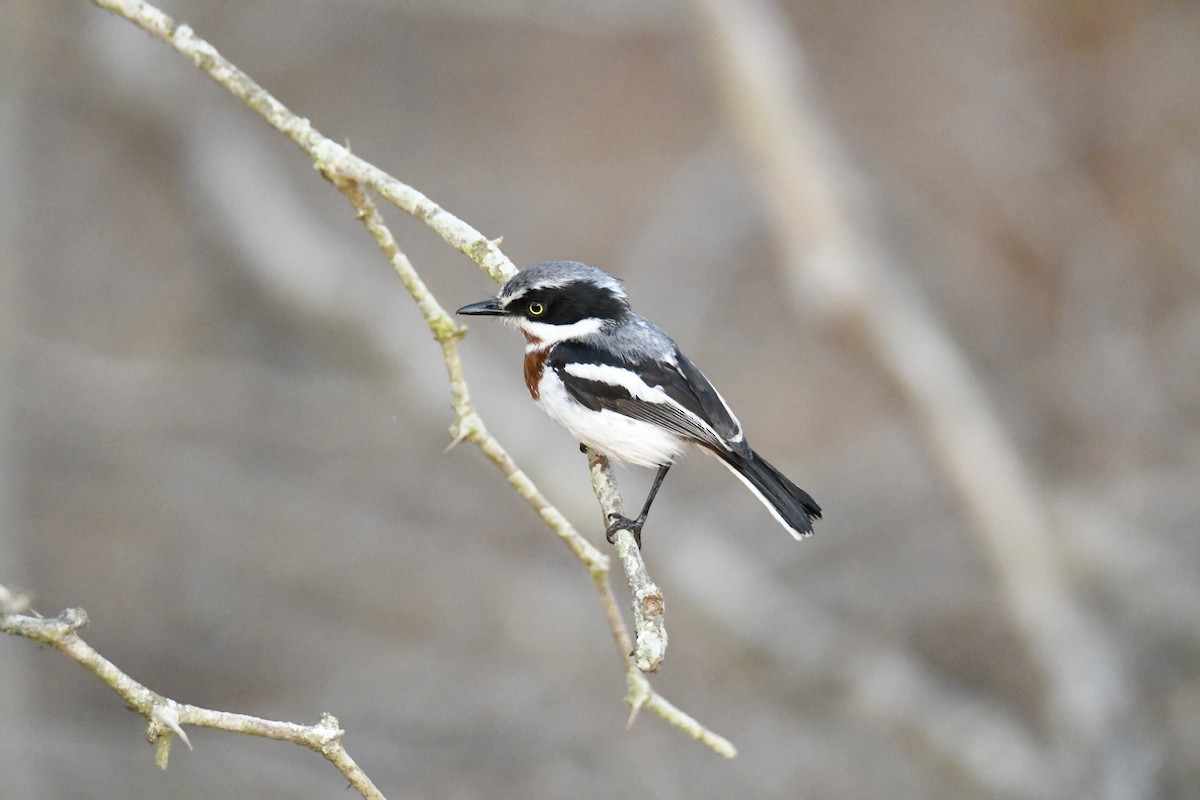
(537, 309)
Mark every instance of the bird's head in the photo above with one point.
(556, 301)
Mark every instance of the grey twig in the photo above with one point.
(354, 177)
(648, 604)
(165, 717)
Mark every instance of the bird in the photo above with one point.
(621, 386)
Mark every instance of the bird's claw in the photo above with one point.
(622, 523)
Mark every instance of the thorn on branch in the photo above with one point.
(166, 715)
(163, 728)
(637, 697)
(459, 433)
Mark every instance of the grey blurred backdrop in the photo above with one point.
(222, 420)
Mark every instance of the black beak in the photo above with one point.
(486, 308)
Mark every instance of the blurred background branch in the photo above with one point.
(840, 273)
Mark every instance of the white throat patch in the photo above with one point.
(549, 335)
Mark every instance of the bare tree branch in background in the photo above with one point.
(840, 272)
(351, 174)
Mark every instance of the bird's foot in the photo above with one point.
(621, 523)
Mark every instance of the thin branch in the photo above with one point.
(166, 717)
(467, 424)
(339, 165)
(457, 233)
(648, 603)
(352, 176)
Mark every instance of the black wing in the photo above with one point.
(692, 408)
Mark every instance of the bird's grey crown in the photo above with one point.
(556, 274)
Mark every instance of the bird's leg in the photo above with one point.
(634, 526)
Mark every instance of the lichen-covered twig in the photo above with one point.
(356, 178)
(166, 717)
(324, 152)
(648, 604)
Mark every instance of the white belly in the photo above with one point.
(608, 432)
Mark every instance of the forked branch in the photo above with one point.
(356, 178)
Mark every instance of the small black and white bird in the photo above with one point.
(621, 386)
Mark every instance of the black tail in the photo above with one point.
(792, 506)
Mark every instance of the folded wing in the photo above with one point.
(673, 395)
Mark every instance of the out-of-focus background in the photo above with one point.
(222, 420)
